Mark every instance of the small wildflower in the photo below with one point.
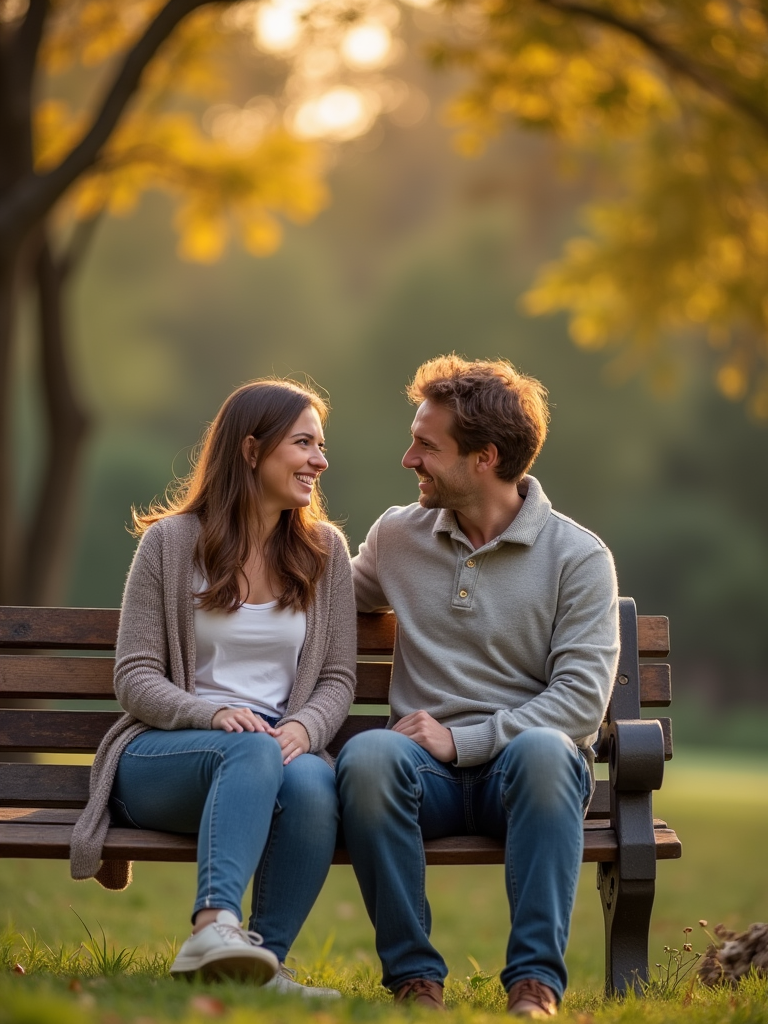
(703, 923)
(687, 931)
(687, 947)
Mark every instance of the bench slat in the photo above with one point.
(376, 634)
(373, 682)
(66, 786)
(44, 785)
(45, 839)
(57, 732)
(56, 678)
(356, 724)
(61, 678)
(92, 629)
(76, 629)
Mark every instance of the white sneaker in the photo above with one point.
(284, 983)
(225, 950)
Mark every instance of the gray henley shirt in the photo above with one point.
(520, 632)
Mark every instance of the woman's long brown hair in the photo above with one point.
(225, 493)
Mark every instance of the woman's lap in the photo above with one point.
(164, 777)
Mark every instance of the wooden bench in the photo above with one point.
(40, 802)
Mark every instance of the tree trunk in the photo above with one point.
(9, 547)
(49, 537)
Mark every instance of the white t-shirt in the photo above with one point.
(248, 658)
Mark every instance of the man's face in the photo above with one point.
(444, 475)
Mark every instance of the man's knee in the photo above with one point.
(542, 761)
(372, 770)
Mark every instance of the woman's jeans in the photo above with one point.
(254, 818)
(532, 796)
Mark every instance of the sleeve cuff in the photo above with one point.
(474, 743)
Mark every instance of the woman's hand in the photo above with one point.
(293, 739)
(240, 720)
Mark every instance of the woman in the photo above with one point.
(235, 667)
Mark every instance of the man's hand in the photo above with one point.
(428, 733)
(240, 720)
(293, 739)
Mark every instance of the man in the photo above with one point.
(506, 652)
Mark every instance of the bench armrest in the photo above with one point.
(636, 755)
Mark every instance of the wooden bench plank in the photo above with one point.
(655, 686)
(66, 785)
(76, 629)
(57, 732)
(44, 785)
(96, 629)
(653, 636)
(60, 678)
(51, 841)
(56, 678)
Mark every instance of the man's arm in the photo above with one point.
(580, 668)
(369, 594)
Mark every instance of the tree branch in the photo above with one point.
(36, 194)
(28, 37)
(81, 238)
(673, 59)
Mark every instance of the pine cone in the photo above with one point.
(738, 953)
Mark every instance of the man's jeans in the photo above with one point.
(532, 796)
(255, 818)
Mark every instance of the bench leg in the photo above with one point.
(627, 906)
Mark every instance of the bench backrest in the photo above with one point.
(49, 659)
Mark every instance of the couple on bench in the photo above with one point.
(235, 665)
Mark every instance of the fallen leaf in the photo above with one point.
(18, 969)
(208, 1006)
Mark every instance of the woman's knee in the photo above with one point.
(256, 753)
(309, 790)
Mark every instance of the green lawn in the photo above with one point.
(718, 804)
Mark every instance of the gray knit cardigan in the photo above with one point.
(155, 669)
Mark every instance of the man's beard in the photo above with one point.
(451, 494)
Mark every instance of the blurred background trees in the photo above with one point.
(668, 102)
(256, 114)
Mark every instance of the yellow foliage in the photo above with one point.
(261, 234)
(469, 144)
(732, 382)
(682, 244)
(753, 22)
(202, 233)
(220, 190)
(55, 129)
(718, 13)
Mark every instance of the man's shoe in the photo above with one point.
(225, 950)
(284, 982)
(423, 992)
(530, 998)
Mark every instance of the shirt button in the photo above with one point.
(462, 593)
(470, 563)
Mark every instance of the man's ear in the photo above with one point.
(487, 458)
(250, 448)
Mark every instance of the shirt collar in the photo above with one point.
(524, 528)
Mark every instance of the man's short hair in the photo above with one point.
(491, 403)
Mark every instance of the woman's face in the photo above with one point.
(289, 473)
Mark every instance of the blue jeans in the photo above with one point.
(532, 796)
(254, 818)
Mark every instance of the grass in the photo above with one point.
(111, 965)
